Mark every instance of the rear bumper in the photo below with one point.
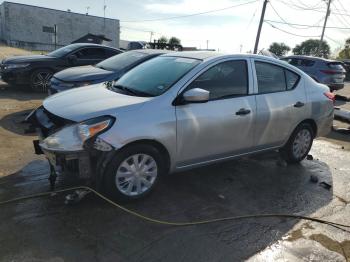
(324, 125)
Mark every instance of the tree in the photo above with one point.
(174, 41)
(345, 53)
(279, 49)
(311, 47)
(163, 40)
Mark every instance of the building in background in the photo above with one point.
(44, 29)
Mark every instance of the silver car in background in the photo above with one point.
(180, 111)
(328, 72)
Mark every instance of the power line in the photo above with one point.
(309, 7)
(311, 26)
(290, 24)
(195, 14)
(341, 6)
(284, 31)
(334, 41)
(314, 10)
(298, 7)
(340, 18)
(252, 18)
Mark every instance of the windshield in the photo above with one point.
(120, 61)
(157, 75)
(62, 51)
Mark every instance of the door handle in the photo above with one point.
(299, 104)
(242, 112)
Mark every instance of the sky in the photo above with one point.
(231, 30)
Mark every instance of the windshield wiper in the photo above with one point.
(132, 91)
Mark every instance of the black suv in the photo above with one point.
(37, 70)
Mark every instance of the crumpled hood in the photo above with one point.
(83, 73)
(83, 103)
(28, 59)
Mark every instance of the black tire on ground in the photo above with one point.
(288, 151)
(110, 188)
(40, 80)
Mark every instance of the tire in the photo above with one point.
(40, 80)
(120, 169)
(299, 144)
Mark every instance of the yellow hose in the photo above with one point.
(170, 223)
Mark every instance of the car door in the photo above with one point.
(223, 126)
(280, 101)
(89, 56)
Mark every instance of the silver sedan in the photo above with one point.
(180, 111)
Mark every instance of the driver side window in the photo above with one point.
(224, 80)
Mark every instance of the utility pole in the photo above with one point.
(104, 14)
(150, 39)
(260, 26)
(324, 27)
(207, 44)
(55, 32)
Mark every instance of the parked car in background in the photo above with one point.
(328, 72)
(37, 70)
(179, 111)
(346, 65)
(106, 71)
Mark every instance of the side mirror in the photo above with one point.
(196, 95)
(72, 59)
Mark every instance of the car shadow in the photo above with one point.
(15, 123)
(94, 229)
(20, 93)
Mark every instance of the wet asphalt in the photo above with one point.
(46, 229)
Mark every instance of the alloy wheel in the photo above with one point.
(41, 81)
(136, 174)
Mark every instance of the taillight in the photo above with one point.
(330, 72)
(330, 96)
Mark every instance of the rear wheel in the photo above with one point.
(133, 172)
(40, 80)
(299, 144)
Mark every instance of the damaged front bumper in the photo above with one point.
(70, 163)
(82, 163)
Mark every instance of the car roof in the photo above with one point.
(201, 55)
(206, 55)
(92, 45)
(152, 51)
(310, 58)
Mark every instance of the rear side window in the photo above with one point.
(307, 62)
(294, 61)
(110, 52)
(224, 80)
(292, 79)
(91, 53)
(272, 78)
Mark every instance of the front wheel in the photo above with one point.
(133, 172)
(299, 144)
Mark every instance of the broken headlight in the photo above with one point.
(72, 138)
